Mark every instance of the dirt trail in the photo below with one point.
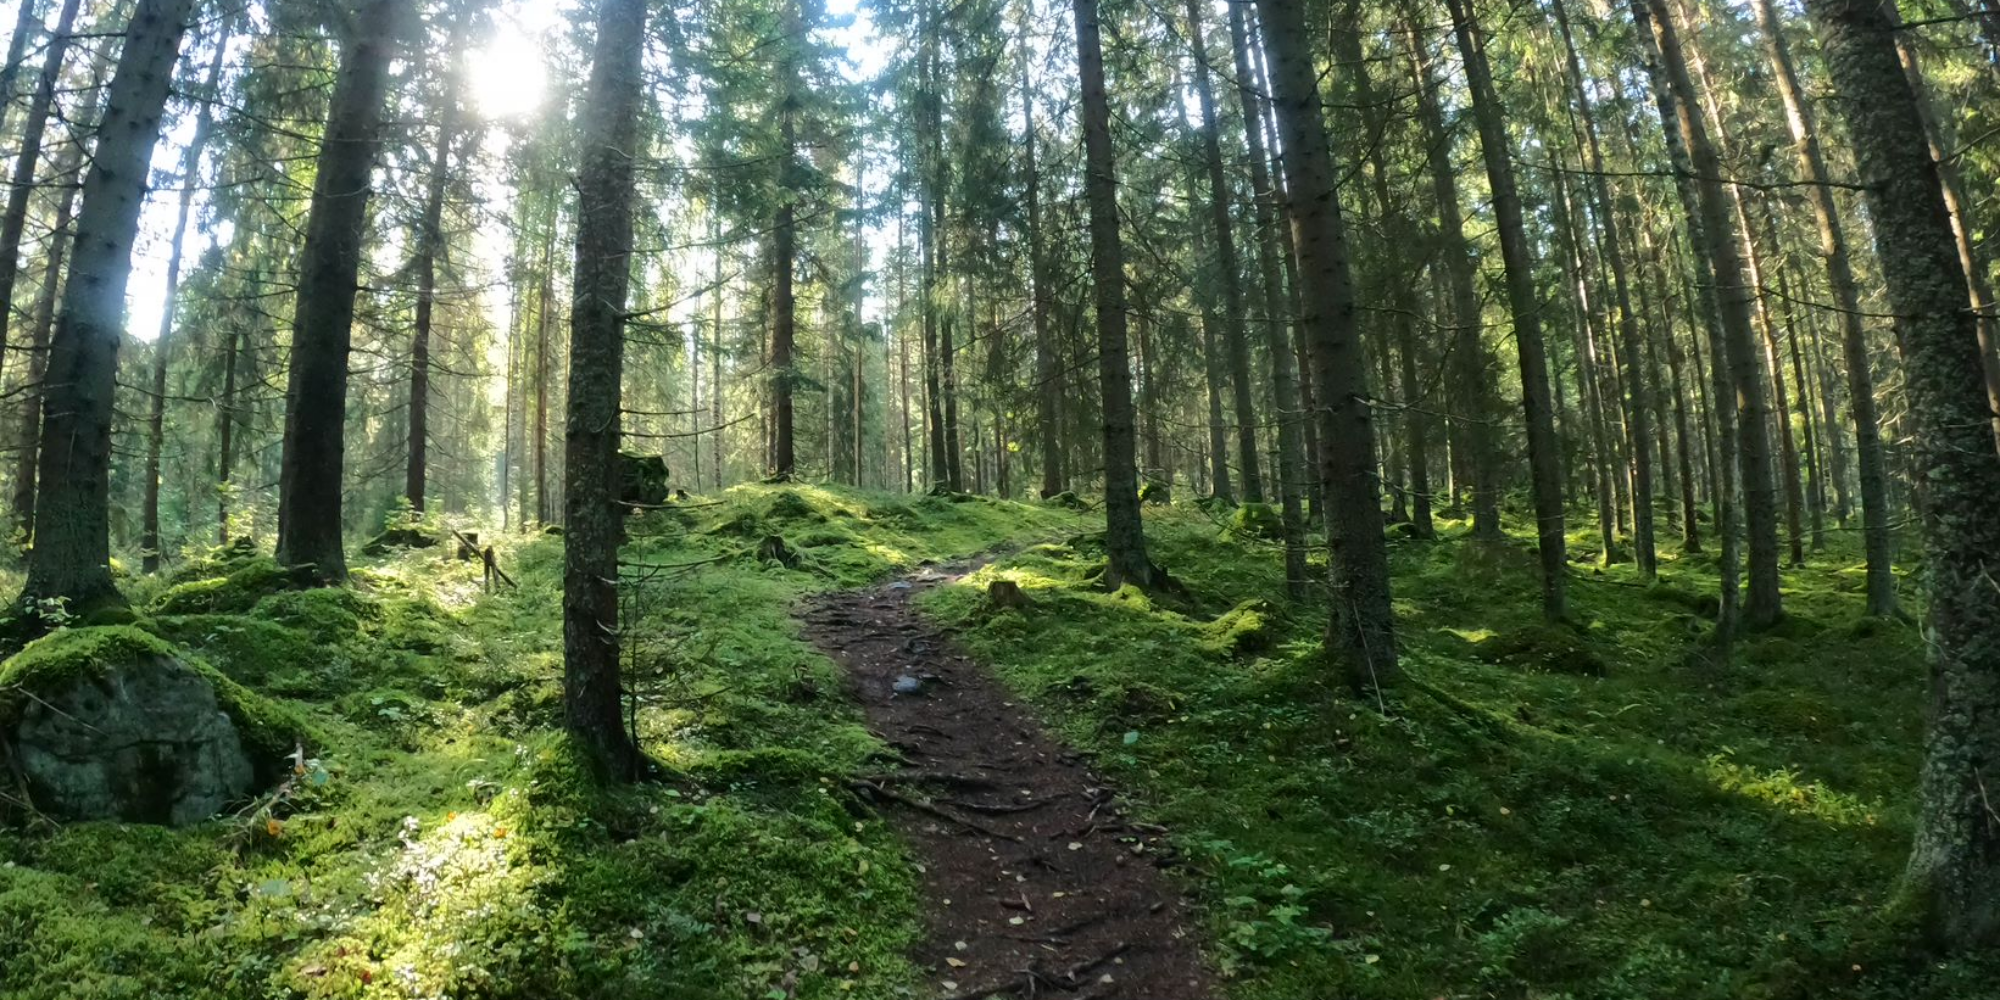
(1036, 883)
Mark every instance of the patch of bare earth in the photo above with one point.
(1037, 883)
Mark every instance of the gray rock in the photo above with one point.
(144, 742)
(908, 685)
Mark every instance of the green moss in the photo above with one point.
(1257, 520)
(247, 583)
(269, 729)
(1243, 630)
(328, 615)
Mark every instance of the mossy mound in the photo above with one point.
(1548, 648)
(219, 561)
(1243, 630)
(326, 615)
(1260, 521)
(237, 592)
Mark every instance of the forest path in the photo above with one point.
(1036, 884)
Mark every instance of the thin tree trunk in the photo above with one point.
(784, 262)
(1124, 534)
(1475, 404)
(1881, 581)
(71, 558)
(1544, 454)
(27, 22)
(1964, 225)
(1361, 630)
(1954, 870)
(29, 442)
(156, 417)
(1235, 337)
(431, 247)
(1284, 373)
(22, 187)
(1638, 410)
(1734, 357)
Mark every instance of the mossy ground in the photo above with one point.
(1539, 811)
(443, 842)
(1573, 811)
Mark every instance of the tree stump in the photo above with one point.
(774, 549)
(468, 546)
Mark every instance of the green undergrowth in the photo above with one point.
(438, 838)
(1552, 811)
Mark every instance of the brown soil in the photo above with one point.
(1036, 882)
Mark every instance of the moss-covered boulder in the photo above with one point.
(115, 723)
(404, 534)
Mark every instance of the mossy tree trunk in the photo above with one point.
(1361, 630)
(71, 558)
(593, 522)
(311, 467)
(1954, 870)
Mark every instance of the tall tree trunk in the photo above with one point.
(593, 521)
(149, 541)
(544, 319)
(226, 420)
(1544, 454)
(1638, 409)
(1362, 628)
(310, 477)
(1284, 373)
(71, 558)
(1401, 268)
(28, 443)
(21, 191)
(1124, 534)
(1590, 382)
(431, 247)
(1235, 335)
(1881, 581)
(1735, 358)
(1048, 385)
(784, 260)
(1475, 406)
(27, 22)
(1954, 870)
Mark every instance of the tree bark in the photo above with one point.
(1544, 454)
(71, 558)
(593, 521)
(1954, 870)
(1361, 631)
(310, 476)
(784, 256)
(1874, 488)
(1124, 533)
